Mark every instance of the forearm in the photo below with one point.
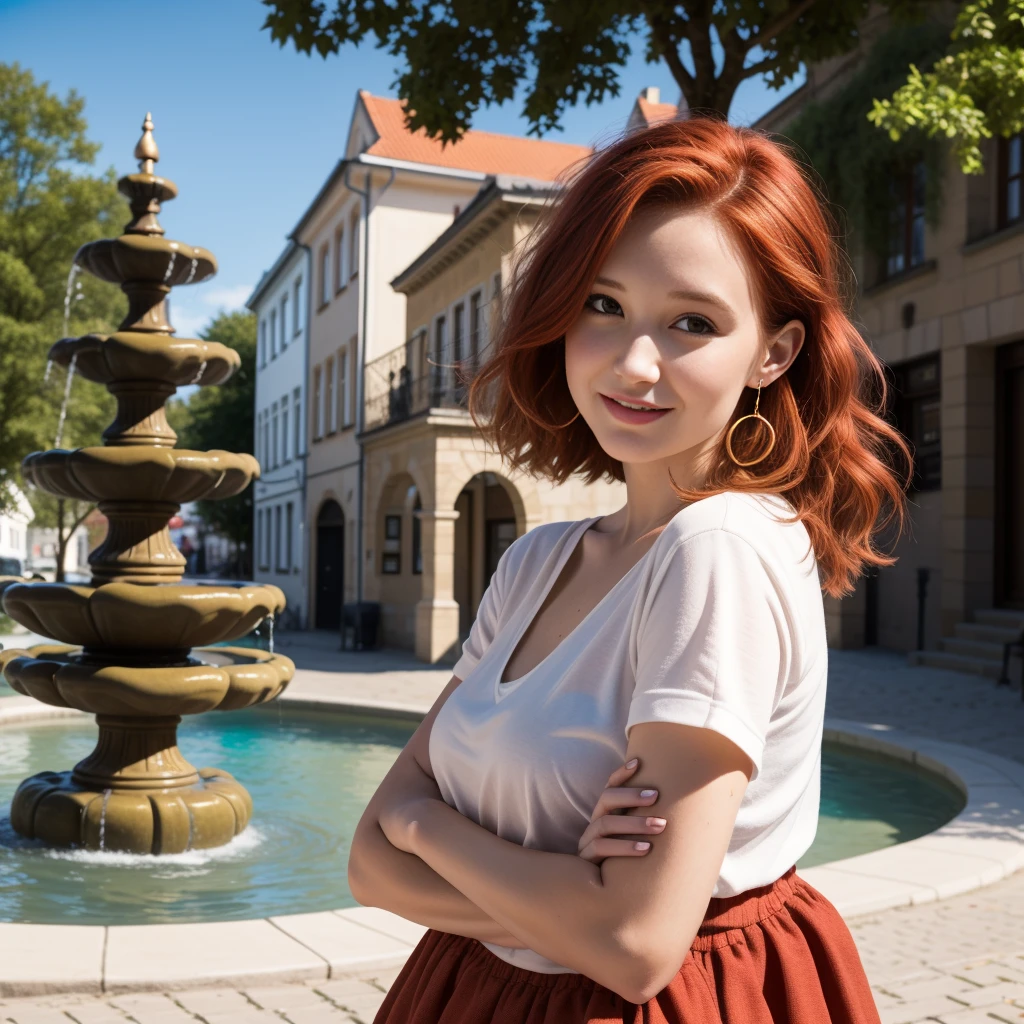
(556, 902)
(402, 883)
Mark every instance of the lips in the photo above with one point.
(625, 415)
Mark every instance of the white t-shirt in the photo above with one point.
(719, 624)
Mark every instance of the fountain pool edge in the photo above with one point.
(982, 844)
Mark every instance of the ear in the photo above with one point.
(783, 348)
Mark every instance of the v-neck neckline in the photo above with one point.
(502, 689)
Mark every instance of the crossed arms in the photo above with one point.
(627, 922)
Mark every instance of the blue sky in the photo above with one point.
(246, 129)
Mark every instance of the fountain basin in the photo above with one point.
(144, 257)
(135, 355)
(228, 678)
(156, 474)
(140, 616)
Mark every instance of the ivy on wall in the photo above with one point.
(853, 160)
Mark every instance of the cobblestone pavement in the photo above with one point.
(955, 961)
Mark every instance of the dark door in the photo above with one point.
(330, 550)
(1009, 546)
(500, 534)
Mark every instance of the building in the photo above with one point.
(280, 302)
(943, 307)
(14, 519)
(386, 201)
(441, 508)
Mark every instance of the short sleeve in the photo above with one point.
(485, 625)
(707, 644)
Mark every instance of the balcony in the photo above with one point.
(409, 380)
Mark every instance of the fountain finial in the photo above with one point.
(146, 151)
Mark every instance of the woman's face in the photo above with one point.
(670, 324)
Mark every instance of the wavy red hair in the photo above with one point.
(835, 458)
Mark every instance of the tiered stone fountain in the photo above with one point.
(127, 639)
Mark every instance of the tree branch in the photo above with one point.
(785, 21)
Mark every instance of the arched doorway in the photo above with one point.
(486, 526)
(330, 552)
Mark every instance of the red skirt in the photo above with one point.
(778, 954)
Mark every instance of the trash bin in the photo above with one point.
(359, 623)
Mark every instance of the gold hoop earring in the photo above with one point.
(755, 415)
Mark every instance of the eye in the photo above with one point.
(697, 324)
(603, 304)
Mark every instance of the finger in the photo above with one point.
(622, 824)
(615, 797)
(599, 849)
(623, 772)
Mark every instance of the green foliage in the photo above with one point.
(49, 206)
(853, 161)
(460, 55)
(974, 91)
(222, 417)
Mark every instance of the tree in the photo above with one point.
(222, 417)
(464, 54)
(49, 206)
(974, 91)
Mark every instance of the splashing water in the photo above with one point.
(72, 274)
(103, 815)
(64, 405)
(192, 271)
(270, 634)
(202, 369)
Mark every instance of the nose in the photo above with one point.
(639, 361)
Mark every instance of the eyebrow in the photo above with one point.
(697, 296)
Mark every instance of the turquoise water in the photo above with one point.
(311, 774)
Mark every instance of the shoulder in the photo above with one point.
(532, 549)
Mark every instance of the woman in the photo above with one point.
(678, 325)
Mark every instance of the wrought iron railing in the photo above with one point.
(411, 379)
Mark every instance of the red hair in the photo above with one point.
(834, 457)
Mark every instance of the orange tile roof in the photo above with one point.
(487, 152)
(652, 112)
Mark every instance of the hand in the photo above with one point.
(397, 820)
(594, 844)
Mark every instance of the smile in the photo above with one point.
(632, 413)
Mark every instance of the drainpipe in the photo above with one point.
(360, 360)
(304, 526)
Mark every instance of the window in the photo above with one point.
(262, 537)
(915, 410)
(274, 461)
(289, 530)
(458, 332)
(440, 354)
(474, 329)
(332, 406)
(318, 412)
(267, 454)
(391, 556)
(285, 449)
(1010, 179)
(263, 342)
(284, 320)
(297, 306)
(906, 221)
(297, 419)
(339, 249)
(273, 334)
(257, 447)
(325, 280)
(417, 539)
(277, 538)
(353, 244)
(343, 389)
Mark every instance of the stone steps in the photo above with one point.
(977, 647)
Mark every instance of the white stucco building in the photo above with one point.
(14, 520)
(280, 302)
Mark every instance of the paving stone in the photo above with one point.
(284, 997)
(918, 1010)
(152, 1008)
(1003, 991)
(341, 990)
(207, 1002)
(96, 1013)
(939, 985)
(974, 1016)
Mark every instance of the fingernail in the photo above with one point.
(641, 846)
(631, 764)
(645, 793)
(656, 822)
